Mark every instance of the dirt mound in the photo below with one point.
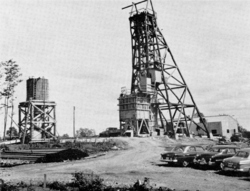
(186, 140)
(122, 144)
(69, 154)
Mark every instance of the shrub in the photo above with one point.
(87, 181)
(8, 186)
(57, 186)
(69, 144)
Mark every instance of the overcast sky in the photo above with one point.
(84, 49)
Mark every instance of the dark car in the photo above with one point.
(111, 132)
(217, 159)
(182, 154)
(240, 162)
(214, 155)
(236, 137)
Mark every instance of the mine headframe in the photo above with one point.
(155, 73)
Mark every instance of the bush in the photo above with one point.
(8, 186)
(83, 181)
(57, 186)
(69, 144)
(91, 148)
(87, 181)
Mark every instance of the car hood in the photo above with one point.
(171, 153)
(218, 156)
(204, 154)
(103, 132)
(236, 160)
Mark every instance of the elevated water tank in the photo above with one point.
(37, 89)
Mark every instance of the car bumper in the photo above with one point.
(212, 163)
(169, 160)
(215, 164)
(235, 170)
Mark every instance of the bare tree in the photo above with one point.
(10, 78)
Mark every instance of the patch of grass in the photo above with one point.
(84, 181)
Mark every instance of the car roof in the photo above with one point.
(191, 144)
(245, 149)
(225, 146)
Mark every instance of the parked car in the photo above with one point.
(240, 162)
(182, 154)
(214, 155)
(236, 137)
(111, 132)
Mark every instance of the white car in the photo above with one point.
(240, 162)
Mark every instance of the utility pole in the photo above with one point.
(74, 121)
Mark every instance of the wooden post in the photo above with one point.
(19, 121)
(31, 122)
(5, 117)
(74, 122)
(26, 121)
(44, 181)
(55, 120)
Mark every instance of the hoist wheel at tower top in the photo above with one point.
(156, 74)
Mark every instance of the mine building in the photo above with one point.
(218, 125)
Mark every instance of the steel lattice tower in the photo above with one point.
(156, 75)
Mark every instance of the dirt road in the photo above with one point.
(126, 166)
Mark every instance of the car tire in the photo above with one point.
(185, 163)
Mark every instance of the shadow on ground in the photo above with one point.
(165, 165)
(246, 179)
(232, 174)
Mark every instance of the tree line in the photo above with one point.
(82, 132)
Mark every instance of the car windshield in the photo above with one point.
(169, 148)
(242, 154)
(214, 150)
(111, 128)
(180, 149)
(218, 150)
